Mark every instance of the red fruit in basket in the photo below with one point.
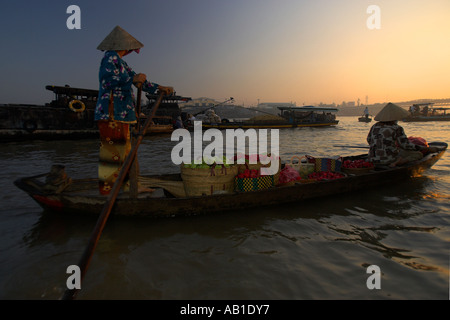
(325, 175)
(360, 163)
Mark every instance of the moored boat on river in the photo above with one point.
(70, 115)
(289, 117)
(81, 196)
(424, 112)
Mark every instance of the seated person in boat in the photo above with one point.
(388, 142)
(178, 123)
(191, 118)
(115, 111)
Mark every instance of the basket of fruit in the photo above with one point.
(356, 167)
(246, 163)
(326, 175)
(209, 177)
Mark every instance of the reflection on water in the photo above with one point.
(316, 249)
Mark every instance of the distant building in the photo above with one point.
(327, 105)
(351, 104)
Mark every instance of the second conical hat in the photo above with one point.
(119, 39)
(391, 112)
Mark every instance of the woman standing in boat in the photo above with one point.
(366, 113)
(115, 109)
(388, 142)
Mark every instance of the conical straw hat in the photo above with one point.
(391, 112)
(119, 39)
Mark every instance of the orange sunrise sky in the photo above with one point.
(305, 52)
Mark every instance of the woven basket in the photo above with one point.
(257, 166)
(199, 182)
(326, 164)
(253, 184)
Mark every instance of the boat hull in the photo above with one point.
(243, 125)
(60, 119)
(427, 119)
(169, 206)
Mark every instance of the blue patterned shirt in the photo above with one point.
(116, 77)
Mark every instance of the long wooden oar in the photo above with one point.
(95, 236)
(134, 170)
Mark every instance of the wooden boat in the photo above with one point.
(70, 115)
(365, 119)
(289, 117)
(247, 125)
(309, 116)
(81, 196)
(424, 112)
(161, 124)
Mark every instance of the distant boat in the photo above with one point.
(289, 117)
(365, 119)
(422, 112)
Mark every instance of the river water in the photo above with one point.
(317, 249)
